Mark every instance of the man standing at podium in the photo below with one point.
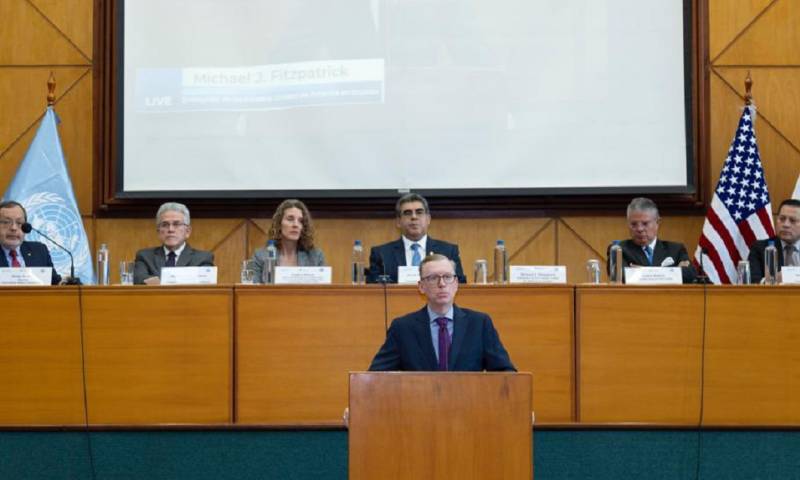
(442, 336)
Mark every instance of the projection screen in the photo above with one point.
(241, 98)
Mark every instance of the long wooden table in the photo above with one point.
(40, 357)
(295, 345)
(159, 356)
(279, 355)
(639, 354)
(752, 357)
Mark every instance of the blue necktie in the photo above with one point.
(170, 260)
(649, 252)
(416, 259)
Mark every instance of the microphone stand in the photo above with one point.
(72, 280)
(702, 278)
(384, 280)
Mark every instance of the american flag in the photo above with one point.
(740, 212)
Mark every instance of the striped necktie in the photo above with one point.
(649, 253)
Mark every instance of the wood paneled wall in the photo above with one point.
(760, 36)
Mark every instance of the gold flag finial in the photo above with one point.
(748, 86)
(51, 90)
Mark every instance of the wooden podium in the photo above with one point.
(440, 426)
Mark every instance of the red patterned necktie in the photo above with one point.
(444, 343)
(14, 261)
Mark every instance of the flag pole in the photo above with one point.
(42, 183)
(748, 86)
(740, 212)
(51, 90)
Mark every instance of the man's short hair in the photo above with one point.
(435, 257)
(173, 207)
(12, 204)
(408, 198)
(642, 204)
(792, 202)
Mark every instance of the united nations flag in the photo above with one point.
(42, 184)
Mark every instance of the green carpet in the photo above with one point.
(301, 455)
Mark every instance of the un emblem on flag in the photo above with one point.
(50, 213)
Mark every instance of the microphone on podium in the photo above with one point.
(28, 228)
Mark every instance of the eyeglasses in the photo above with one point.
(410, 213)
(646, 224)
(165, 225)
(447, 278)
(7, 222)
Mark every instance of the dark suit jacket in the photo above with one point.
(475, 346)
(35, 254)
(150, 260)
(387, 257)
(756, 258)
(633, 254)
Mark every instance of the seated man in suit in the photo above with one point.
(786, 241)
(421, 341)
(16, 251)
(173, 227)
(645, 249)
(412, 218)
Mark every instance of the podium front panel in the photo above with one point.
(465, 426)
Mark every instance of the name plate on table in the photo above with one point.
(189, 276)
(407, 275)
(302, 275)
(790, 275)
(26, 275)
(538, 274)
(653, 276)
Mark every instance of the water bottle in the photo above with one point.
(770, 264)
(615, 263)
(102, 265)
(357, 265)
(272, 262)
(500, 263)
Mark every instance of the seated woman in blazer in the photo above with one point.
(293, 232)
